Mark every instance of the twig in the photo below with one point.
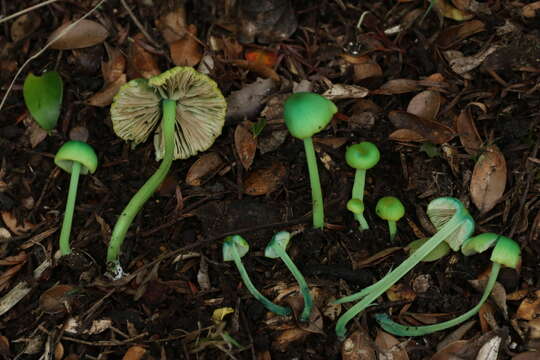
(65, 31)
(138, 24)
(105, 343)
(28, 9)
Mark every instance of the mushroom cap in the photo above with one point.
(356, 206)
(200, 110)
(390, 208)
(307, 113)
(242, 247)
(76, 151)
(364, 155)
(479, 243)
(507, 252)
(441, 210)
(440, 251)
(280, 239)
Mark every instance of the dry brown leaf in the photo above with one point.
(11, 223)
(245, 144)
(406, 135)
(367, 70)
(56, 299)
(105, 96)
(462, 64)
(434, 131)
(20, 258)
(529, 10)
(59, 351)
(172, 25)
(453, 35)
(315, 323)
(24, 26)
(79, 133)
(135, 353)
(529, 355)
(186, 51)
(425, 105)
(529, 307)
(397, 86)
(284, 339)
(490, 350)
(400, 292)
(468, 134)
(333, 142)
(451, 351)
(375, 259)
(358, 346)
(141, 63)
(450, 12)
(266, 180)
(488, 179)
(264, 355)
(343, 91)
(4, 347)
(390, 347)
(204, 169)
(35, 133)
(115, 67)
(258, 68)
(86, 33)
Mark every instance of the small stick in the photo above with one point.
(28, 9)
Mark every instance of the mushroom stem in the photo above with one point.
(145, 192)
(65, 249)
(392, 228)
(316, 193)
(358, 193)
(391, 278)
(276, 309)
(401, 330)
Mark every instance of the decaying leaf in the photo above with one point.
(247, 101)
(400, 292)
(498, 294)
(285, 338)
(245, 144)
(75, 326)
(455, 34)
(529, 307)
(263, 57)
(265, 180)
(529, 355)
(450, 12)
(141, 63)
(530, 10)
(369, 69)
(56, 299)
(434, 131)
(425, 105)
(358, 346)
(343, 91)
(24, 26)
(397, 86)
(172, 25)
(34, 133)
(186, 51)
(488, 179)
(463, 64)
(406, 135)
(135, 353)
(258, 68)
(12, 224)
(86, 33)
(204, 169)
(390, 348)
(105, 96)
(452, 350)
(490, 350)
(468, 134)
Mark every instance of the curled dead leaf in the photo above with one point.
(400, 292)
(358, 346)
(425, 105)
(468, 134)
(488, 179)
(13, 225)
(86, 33)
(434, 131)
(245, 144)
(266, 180)
(204, 169)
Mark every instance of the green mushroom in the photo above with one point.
(305, 115)
(234, 248)
(454, 225)
(362, 156)
(506, 252)
(74, 157)
(277, 248)
(356, 206)
(43, 98)
(192, 112)
(389, 208)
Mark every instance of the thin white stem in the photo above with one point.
(28, 9)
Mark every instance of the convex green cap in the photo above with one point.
(364, 155)
(281, 239)
(307, 113)
(390, 208)
(356, 206)
(507, 252)
(76, 151)
(234, 241)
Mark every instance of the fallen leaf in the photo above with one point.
(453, 35)
(333, 142)
(375, 258)
(11, 223)
(105, 96)
(468, 134)
(450, 12)
(433, 131)
(79, 133)
(75, 326)
(115, 67)
(529, 10)
(451, 351)
(367, 70)
(406, 135)
(219, 314)
(172, 25)
(245, 144)
(257, 68)
(390, 348)
(141, 63)
(265, 180)
(463, 64)
(284, 339)
(204, 169)
(397, 86)
(35, 133)
(400, 292)
(343, 91)
(263, 57)
(186, 51)
(248, 101)
(529, 355)
(490, 350)
(20, 258)
(529, 307)
(425, 105)
(24, 26)
(56, 299)
(488, 179)
(358, 346)
(4, 347)
(86, 33)
(135, 353)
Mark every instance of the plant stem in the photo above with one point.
(304, 288)
(392, 229)
(316, 193)
(358, 193)
(145, 192)
(65, 249)
(276, 309)
(391, 278)
(401, 330)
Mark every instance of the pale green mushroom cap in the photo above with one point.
(76, 151)
(200, 110)
(390, 208)
(307, 113)
(280, 239)
(439, 252)
(241, 245)
(507, 252)
(479, 243)
(441, 210)
(364, 155)
(356, 206)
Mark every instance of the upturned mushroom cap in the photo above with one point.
(242, 247)
(280, 239)
(356, 206)
(200, 110)
(364, 155)
(441, 210)
(479, 243)
(507, 252)
(307, 113)
(390, 208)
(440, 251)
(76, 151)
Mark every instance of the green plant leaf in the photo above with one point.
(43, 98)
(257, 128)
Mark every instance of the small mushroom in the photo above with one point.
(234, 248)
(306, 114)
(74, 157)
(389, 208)
(506, 252)
(362, 156)
(356, 206)
(277, 248)
(192, 110)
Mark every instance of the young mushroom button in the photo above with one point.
(389, 208)
(305, 115)
(74, 157)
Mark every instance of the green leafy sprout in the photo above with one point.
(454, 225)
(43, 98)
(234, 248)
(362, 156)
(277, 248)
(306, 114)
(506, 252)
(391, 209)
(74, 157)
